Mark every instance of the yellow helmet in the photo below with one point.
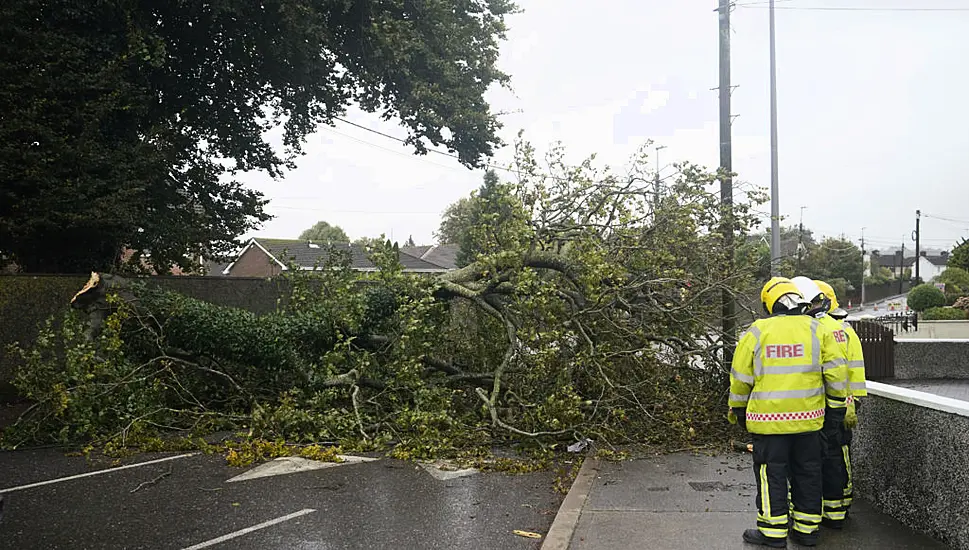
(829, 292)
(775, 289)
(835, 309)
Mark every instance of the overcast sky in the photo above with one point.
(873, 123)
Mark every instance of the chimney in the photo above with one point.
(945, 254)
(924, 253)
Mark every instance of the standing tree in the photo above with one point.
(835, 258)
(454, 221)
(794, 242)
(132, 119)
(497, 221)
(960, 256)
(956, 282)
(325, 233)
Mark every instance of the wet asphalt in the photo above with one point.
(187, 502)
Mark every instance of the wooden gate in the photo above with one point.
(878, 345)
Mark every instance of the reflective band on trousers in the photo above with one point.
(786, 394)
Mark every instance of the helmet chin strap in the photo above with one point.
(819, 309)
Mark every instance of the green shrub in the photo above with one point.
(944, 314)
(924, 297)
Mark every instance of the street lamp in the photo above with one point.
(775, 209)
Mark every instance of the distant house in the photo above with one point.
(891, 262)
(127, 255)
(932, 265)
(270, 257)
(443, 255)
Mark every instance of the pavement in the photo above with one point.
(954, 389)
(178, 501)
(688, 501)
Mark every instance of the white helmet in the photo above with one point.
(809, 289)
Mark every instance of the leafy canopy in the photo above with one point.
(323, 232)
(960, 256)
(924, 297)
(133, 119)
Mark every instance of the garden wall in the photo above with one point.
(920, 359)
(910, 459)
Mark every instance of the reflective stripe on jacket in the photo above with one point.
(785, 370)
(856, 362)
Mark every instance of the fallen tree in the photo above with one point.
(591, 311)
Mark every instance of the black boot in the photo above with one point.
(800, 538)
(753, 536)
(833, 523)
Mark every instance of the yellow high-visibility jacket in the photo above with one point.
(856, 362)
(785, 370)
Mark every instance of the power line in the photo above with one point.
(759, 5)
(395, 151)
(451, 155)
(334, 211)
(951, 220)
(442, 153)
(756, 3)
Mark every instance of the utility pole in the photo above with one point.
(800, 240)
(918, 249)
(775, 209)
(863, 267)
(726, 181)
(656, 190)
(901, 266)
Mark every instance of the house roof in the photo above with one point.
(891, 261)
(939, 260)
(442, 255)
(309, 255)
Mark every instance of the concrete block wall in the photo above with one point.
(911, 460)
(931, 358)
(939, 329)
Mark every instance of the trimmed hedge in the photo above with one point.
(944, 314)
(924, 297)
(28, 301)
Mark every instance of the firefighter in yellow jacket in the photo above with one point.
(834, 471)
(857, 383)
(788, 378)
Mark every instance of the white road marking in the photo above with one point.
(247, 530)
(293, 464)
(97, 473)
